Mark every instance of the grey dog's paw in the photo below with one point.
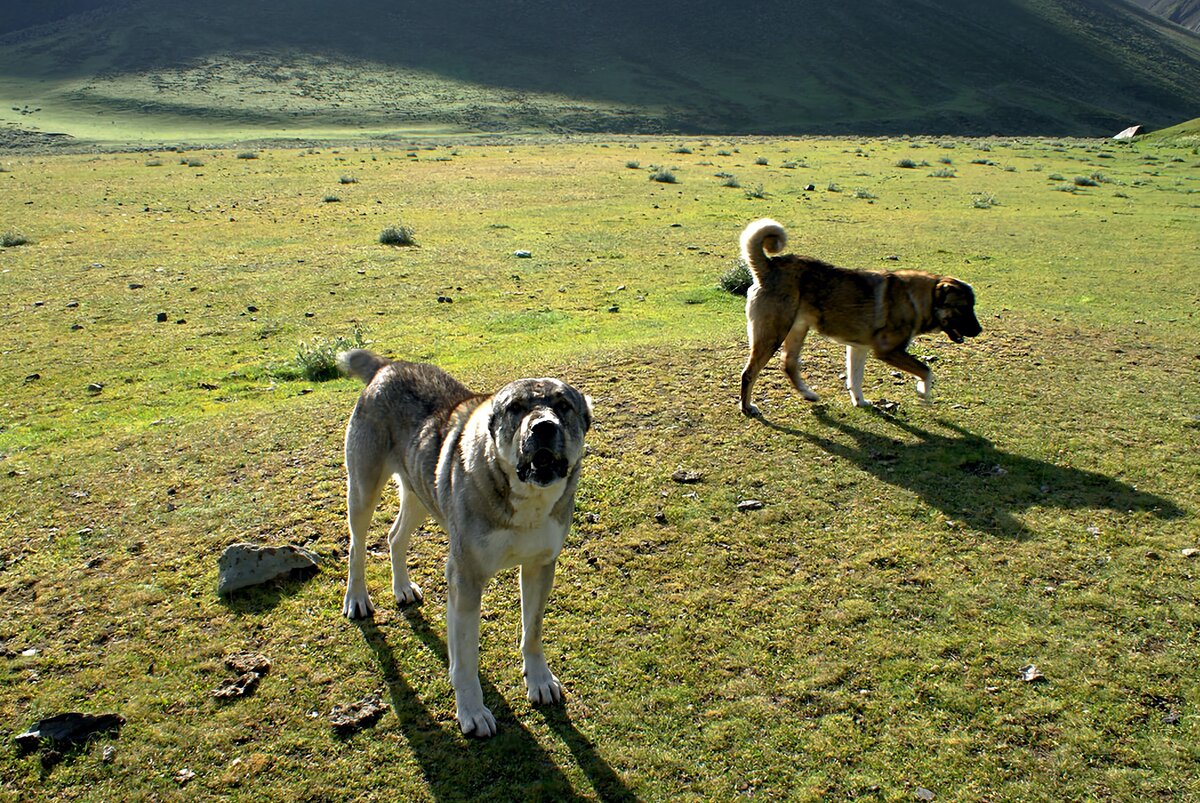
(408, 593)
(477, 722)
(357, 605)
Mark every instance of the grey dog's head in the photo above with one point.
(538, 426)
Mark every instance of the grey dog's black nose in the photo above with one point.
(544, 430)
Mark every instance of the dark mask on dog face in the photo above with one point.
(538, 426)
(954, 308)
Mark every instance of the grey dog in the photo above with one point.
(498, 473)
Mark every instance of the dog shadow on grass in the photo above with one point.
(512, 765)
(968, 479)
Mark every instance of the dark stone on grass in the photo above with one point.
(94, 388)
(687, 477)
(64, 730)
(750, 504)
(243, 662)
(522, 254)
(161, 317)
(352, 717)
(245, 565)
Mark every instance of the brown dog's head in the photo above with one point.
(954, 309)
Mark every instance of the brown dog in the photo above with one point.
(867, 311)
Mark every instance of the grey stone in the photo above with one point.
(245, 565)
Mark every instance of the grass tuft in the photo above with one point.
(316, 360)
(11, 239)
(397, 235)
(738, 279)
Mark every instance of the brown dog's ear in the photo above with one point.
(943, 289)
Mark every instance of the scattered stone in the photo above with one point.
(32, 378)
(233, 688)
(522, 254)
(1191, 552)
(94, 387)
(183, 776)
(161, 317)
(750, 504)
(1031, 673)
(1171, 718)
(592, 518)
(924, 794)
(660, 517)
(65, 730)
(109, 754)
(352, 717)
(809, 187)
(243, 565)
(135, 286)
(252, 308)
(243, 662)
(687, 477)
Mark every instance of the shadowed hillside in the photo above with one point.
(1081, 67)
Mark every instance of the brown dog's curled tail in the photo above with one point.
(360, 363)
(759, 240)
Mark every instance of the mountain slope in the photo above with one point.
(780, 66)
(1180, 12)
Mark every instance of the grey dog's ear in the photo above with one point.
(587, 403)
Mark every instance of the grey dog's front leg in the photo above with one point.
(462, 641)
(540, 683)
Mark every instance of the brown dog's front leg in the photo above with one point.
(906, 362)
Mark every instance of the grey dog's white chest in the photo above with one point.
(505, 548)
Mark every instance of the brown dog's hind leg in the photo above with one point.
(764, 342)
(791, 360)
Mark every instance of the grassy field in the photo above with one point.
(859, 636)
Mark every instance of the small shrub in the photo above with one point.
(154, 163)
(347, 180)
(737, 280)
(663, 176)
(864, 194)
(632, 165)
(762, 160)
(987, 162)
(943, 172)
(724, 153)
(10, 239)
(247, 155)
(986, 201)
(1100, 178)
(946, 160)
(1086, 181)
(397, 235)
(316, 361)
(757, 192)
(331, 199)
(730, 181)
(1056, 177)
(192, 162)
(906, 163)
(833, 187)
(681, 149)
(1067, 188)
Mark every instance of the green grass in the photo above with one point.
(857, 637)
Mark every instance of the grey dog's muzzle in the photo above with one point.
(543, 459)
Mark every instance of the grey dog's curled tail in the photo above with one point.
(760, 239)
(360, 363)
